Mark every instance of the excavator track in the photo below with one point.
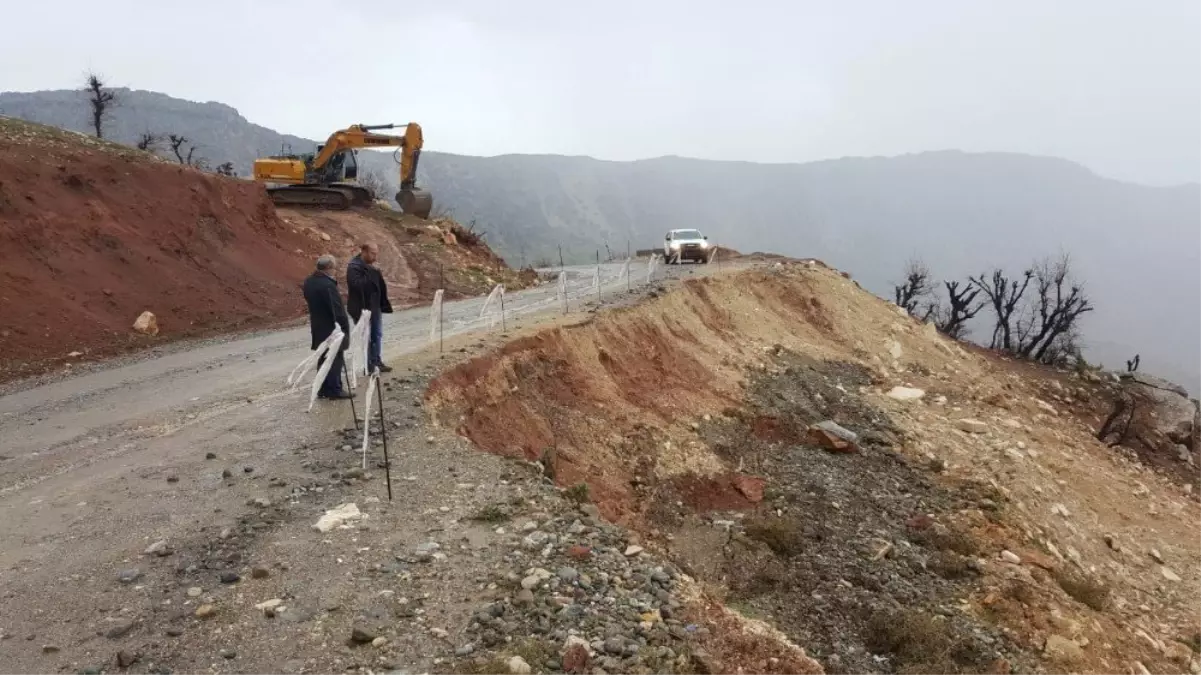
(331, 197)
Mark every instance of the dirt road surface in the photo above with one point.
(177, 447)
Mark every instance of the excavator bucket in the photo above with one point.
(416, 202)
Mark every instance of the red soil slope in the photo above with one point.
(92, 234)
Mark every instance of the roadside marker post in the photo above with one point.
(383, 431)
(353, 413)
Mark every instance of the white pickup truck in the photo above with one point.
(681, 245)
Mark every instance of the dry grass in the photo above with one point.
(492, 513)
(920, 643)
(781, 535)
(577, 493)
(1085, 590)
(949, 565)
(940, 538)
(535, 653)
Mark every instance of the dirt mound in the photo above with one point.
(981, 527)
(417, 256)
(92, 234)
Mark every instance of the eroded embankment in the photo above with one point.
(653, 409)
(929, 548)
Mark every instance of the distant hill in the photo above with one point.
(1138, 247)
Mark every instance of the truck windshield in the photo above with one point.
(686, 234)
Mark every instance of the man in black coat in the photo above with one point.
(366, 290)
(325, 312)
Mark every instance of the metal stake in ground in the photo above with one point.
(502, 311)
(353, 412)
(383, 432)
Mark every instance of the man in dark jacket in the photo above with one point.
(366, 290)
(325, 312)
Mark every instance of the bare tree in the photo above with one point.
(915, 288)
(962, 308)
(1057, 305)
(148, 141)
(1132, 364)
(225, 169)
(101, 100)
(177, 141)
(1005, 296)
(374, 182)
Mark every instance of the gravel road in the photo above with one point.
(95, 468)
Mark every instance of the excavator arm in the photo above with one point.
(411, 199)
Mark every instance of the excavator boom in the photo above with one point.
(317, 180)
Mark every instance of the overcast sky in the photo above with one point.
(1113, 84)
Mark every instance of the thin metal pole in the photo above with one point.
(502, 312)
(560, 257)
(383, 430)
(442, 287)
(353, 412)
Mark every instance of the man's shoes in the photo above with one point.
(384, 369)
(336, 396)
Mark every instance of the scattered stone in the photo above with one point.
(838, 430)
(439, 633)
(1169, 574)
(615, 646)
(230, 577)
(1063, 650)
(568, 574)
(1156, 556)
(260, 573)
(828, 440)
(1112, 543)
(361, 634)
(529, 526)
(633, 550)
(146, 323)
(50, 649)
(226, 473)
(338, 516)
(1011, 557)
(905, 393)
(172, 478)
(524, 597)
(210, 455)
(120, 629)
(750, 487)
(518, 666)
(465, 650)
(531, 582)
(158, 548)
(579, 552)
(425, 552)
(205, 611)
(129, 576)
(261, 502)
(1061, 510)
(577, 655)
(535, 540)
(195, 592)
(379, 641)
(125, 659)
(228, 654)
(271, 604)
(971, 426)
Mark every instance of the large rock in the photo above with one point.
(146, 323)
(1154, 412)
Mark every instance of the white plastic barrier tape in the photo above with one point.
(495, 297)
(372, 383)
(650, 267)
(436, 316)
(311, 360)
(625, 272)
(330, 346)
(563, 290)
(357, 352)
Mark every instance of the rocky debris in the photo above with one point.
(518, 666)
(260, 573)
(205, 611)
(839, 431)
(971, 426)
(1169, 574)
(1011, 557)
(362, 634)
(605, 597)
(905, 393)
(210, 455)
(146, 323)
(120, 629)
(829, 440)
(126, 659)
(337, 517)
(228, 577)
(1156, 556)
(129, 576)
(1062, 650)
(228, 653)
(427, 551)
(195, 592)
(158, 548)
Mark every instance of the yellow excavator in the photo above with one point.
(326, 178)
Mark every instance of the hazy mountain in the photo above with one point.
(1137, 247)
